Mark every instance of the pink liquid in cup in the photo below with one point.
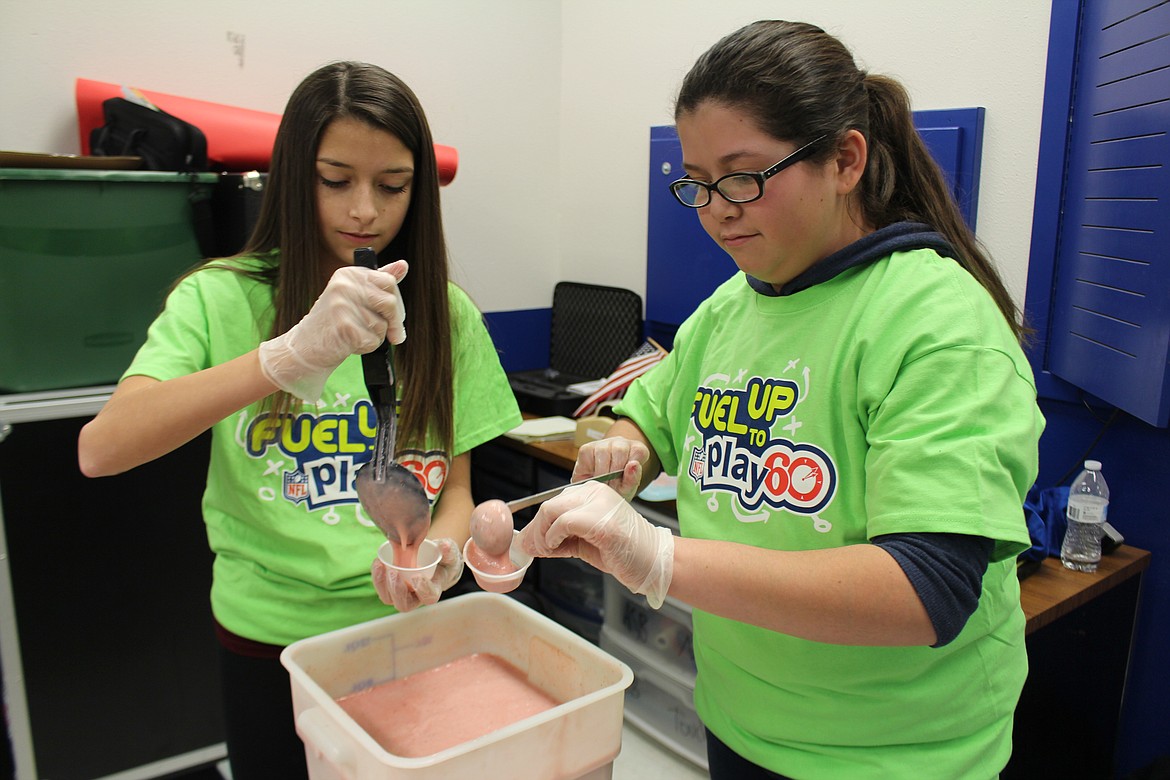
(417, 559)
(489, 564)
(406, 555)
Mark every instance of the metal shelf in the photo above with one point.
(52, 405)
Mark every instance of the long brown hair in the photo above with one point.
(800, 83)
(288, 222)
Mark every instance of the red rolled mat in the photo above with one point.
(238, 139)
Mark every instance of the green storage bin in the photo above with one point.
(86, 260)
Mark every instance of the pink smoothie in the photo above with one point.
(491, 527)
(435, 709)
(406, 555)
(489, 564)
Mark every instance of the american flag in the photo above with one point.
(614, 387)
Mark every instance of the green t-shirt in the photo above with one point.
(293, 547)
(892, 398)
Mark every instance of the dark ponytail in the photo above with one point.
(800, 83)
(903, 182)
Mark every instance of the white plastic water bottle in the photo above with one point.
(1088, 507)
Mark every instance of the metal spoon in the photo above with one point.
(517, 504)
(392, 496)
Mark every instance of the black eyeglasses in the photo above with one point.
(736, 187)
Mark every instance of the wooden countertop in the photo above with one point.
(1053, 591)
(562, 454)
(1049, 593)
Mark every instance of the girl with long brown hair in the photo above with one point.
(263, 350)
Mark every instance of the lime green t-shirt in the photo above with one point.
(292, 545)
(892, 398)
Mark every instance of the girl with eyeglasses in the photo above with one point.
(263, 350)
(853, 425)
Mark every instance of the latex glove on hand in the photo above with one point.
(606, 455)
(594, 523)
(404, 593)
(358, 309)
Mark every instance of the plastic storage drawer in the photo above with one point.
(662, 635)
(571, 617)
(86, 259)
(574, 582)
(658, 704)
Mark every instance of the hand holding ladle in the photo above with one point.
(391, 495)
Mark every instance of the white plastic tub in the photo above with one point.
(578, 738)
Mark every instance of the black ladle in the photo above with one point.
(392, 496)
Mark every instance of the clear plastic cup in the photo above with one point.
(428, 559)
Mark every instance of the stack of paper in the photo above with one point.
(544, 429)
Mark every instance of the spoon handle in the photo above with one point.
(378, 365)
(378, 372)
(537, 498)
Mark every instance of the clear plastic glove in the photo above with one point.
(606, 455)
(407, 593)
(592, 522)
(358, 309)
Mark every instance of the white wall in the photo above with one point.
(487, 73)
(548, 101)
(624, 61)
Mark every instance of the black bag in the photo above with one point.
(164, 142)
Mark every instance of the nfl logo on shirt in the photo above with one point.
(698, 461)
(296, 486)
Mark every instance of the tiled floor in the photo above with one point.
(643, 758)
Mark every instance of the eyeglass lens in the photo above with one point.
(739, 187)
(736, 188)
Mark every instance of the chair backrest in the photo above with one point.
(594, 328)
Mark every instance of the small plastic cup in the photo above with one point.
(428, 559)
(501, 583)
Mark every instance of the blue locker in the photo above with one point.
(1109, 312)
(683, 264)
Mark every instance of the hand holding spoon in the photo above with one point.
(392, 496)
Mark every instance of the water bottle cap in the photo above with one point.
(1093, 465)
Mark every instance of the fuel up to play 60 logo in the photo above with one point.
(317, 456)
(739, 454)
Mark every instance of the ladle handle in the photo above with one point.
(376, 365)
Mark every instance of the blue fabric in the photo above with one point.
(946, 571)
(898, 237)
(1044, 510)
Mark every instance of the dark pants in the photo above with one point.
(726, 764)
(262, 741)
